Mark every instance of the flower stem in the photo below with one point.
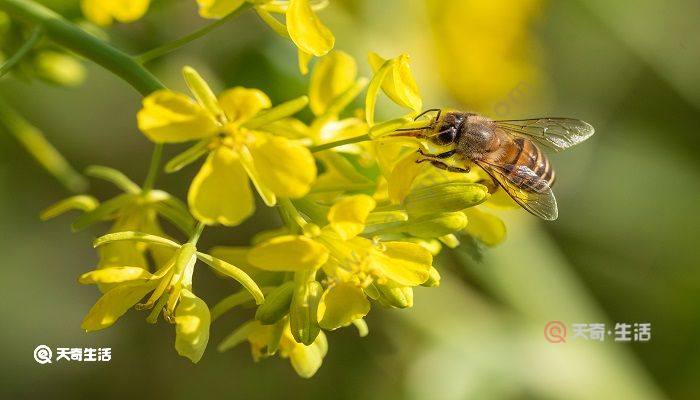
(37, 32)
(154, 168)
(197, 233)
(177, 43)
(66, 34)
(40, 148)
(326, 146)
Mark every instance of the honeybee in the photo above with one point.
(507, 150)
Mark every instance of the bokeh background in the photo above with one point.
(625, 248)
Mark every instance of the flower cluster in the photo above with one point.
(361, 220)
(301, 24)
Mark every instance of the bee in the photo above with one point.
(506, 150)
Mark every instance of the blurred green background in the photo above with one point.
(625, 248)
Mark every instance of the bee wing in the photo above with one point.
(525, 187)
(554, 133)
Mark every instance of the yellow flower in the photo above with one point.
(134, 210)
(170, 287)
(104, 12)
(394, 77)
(482, 64)
(302, 26)
(267, 340)
(231, 129)
(356, 267)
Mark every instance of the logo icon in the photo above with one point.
(42, 354)
(555, 332)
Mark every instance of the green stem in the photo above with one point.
(338, 143)
(153, 168)
(177, 43)
(77, 40)
(197, 233)
(19, 55)
(40, 148)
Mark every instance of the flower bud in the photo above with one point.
(276, 304)
(444, 197)
(433, 279)
(399, 297)
(303, 311)
(201, 91)
(436, 225)
(59, 68)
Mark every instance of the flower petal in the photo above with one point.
(347, 216)
(399, 84)
(171, 117)
(484, 226)
(103, 12)
(240, 104)
(407, 264)
(96, 12)
(114, 275)
(304, 59)
(220, 192)
(306, 29)
(341, 304)
(288, 253)
(115, 303)
(192, 321)
(402, 176)
(215, 9)
(306, 360)
(333, 74)
(128, 10)
(286, 168)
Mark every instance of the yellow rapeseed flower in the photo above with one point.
(267, 340)
(355, 267)
(302, 26)
(170, 287)
(104, 12)
(483, 63)
(134, 210)
(230, 130)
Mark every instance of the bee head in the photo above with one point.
(448, 129)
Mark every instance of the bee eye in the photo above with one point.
(446, 136)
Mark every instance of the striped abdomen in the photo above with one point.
(521, 153)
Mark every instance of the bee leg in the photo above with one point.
(439, 155)
(442, 165)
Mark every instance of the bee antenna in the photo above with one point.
(427, 111)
